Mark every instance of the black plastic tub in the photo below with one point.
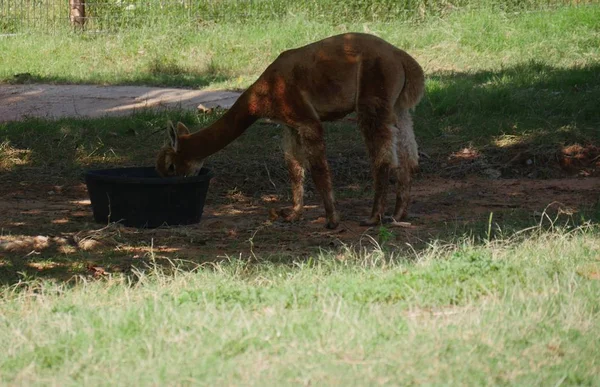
(139, 197)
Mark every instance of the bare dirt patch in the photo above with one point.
(50, 229)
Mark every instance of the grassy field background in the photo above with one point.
(230, 54)
(505, 296)
(108, 17)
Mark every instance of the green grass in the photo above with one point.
(27, 16)
(233, 54)
(502, 306)
(523, 312)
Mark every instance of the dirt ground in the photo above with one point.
(40, 221)
(50, 229)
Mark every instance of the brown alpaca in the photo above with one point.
(303, 87)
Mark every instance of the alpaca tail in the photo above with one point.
(414, 83)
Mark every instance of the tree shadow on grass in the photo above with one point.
(520, 118)
(494, 115)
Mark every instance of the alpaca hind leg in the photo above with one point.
(408, 162)
(403, 185)
(381, 146)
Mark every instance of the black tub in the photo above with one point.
(139, 197)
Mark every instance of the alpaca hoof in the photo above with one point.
(332, 225)
(333, 221)
(289, 215)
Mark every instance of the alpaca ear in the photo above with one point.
(172, 132)
(182, 129)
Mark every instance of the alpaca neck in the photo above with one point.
(213, 138)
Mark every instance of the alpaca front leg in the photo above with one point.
(296, 172)
(295, 161)
(313, 146)
(322, 178)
